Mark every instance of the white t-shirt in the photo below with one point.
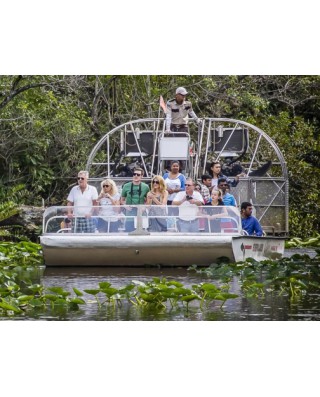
(173, 184)
(188, 211)
(214, 183)
(107, 207)
(82, 201)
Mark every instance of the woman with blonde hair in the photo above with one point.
(107, 199)
(158, 196)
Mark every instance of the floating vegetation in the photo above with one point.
(295, 276)
(22, 293)
(297, 242)
(21, 264)
(160, 293)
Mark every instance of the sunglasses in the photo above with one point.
(106, 185)
(156, 182)
(135, 174)
(80, 177)
(223, 184)
(188, 184)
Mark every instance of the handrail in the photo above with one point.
(54, 216)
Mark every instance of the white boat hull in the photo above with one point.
(258, 248)
(170, 250)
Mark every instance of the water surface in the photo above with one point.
(270, 307)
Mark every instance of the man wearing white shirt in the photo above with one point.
(188, 202)
(83, 198)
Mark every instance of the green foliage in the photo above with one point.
(49, 125)
(7, 210)
(24, 253)
(296, 139)
(295, 276)
(8, 231)
(10, 198)
(298, 242)
(16, 194)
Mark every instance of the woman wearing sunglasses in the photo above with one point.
(157, 196)
(107, 199)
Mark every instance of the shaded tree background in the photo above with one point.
(49, 124)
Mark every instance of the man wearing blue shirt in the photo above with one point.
(227, 198)
(249, 223)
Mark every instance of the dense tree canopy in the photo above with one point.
(49, 124)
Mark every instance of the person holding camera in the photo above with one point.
(188, 202)
(215, 170)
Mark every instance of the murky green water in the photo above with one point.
(267, 308)
(271, 307)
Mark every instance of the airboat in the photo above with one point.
(144, 142)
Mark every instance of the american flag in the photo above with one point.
(162, 104)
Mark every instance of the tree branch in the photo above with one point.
(14, 92)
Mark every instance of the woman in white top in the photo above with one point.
(108, 198)
(174, 180)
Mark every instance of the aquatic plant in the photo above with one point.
(297, 242)
(294, 276)
(22, 293)
(158, 293)
(210, 292)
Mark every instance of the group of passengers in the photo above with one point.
(172, 190)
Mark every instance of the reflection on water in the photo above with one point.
(300, 251)
(270, 307)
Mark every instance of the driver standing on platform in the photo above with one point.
(178, 112)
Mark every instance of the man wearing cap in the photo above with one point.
(178, 111)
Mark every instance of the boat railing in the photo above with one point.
(142, 220)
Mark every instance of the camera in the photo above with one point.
(231, 169)
(189, 197)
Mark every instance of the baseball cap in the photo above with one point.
(181, 90)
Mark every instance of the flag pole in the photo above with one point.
(162, 106)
